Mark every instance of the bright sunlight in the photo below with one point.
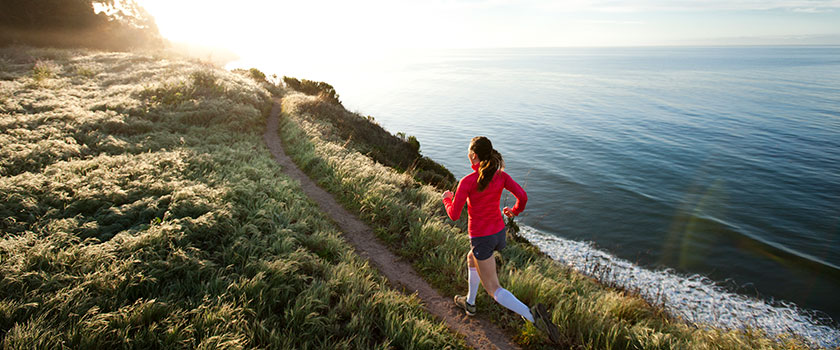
(329, 25)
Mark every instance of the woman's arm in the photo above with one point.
(454, 207)
(518, 192)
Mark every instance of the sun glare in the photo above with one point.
(357, 27)
(211, 23)
(340, 28)
(297, 25)
(329, 27)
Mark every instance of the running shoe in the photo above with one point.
(461, 301)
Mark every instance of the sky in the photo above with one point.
(247, 26)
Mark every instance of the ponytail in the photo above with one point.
(490, 161)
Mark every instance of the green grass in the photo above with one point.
(409, 217)
(141, 209)
(44, 70)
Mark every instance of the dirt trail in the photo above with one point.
(479, 333)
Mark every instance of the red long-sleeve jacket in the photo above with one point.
(485, 217)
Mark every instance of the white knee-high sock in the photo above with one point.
(508, 300)
(474, 281)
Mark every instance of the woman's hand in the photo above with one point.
(448, 194)
(509, 213)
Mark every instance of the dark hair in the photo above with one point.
(489, 160)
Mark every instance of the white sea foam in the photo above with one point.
(695, 298)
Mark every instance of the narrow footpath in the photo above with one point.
(479, 333)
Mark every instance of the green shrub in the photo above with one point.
(414, 143)
(204, 83)
(85, 71)
(44, 69)
(411, 141)
(257, 75)
(201, 85)
(260, 77)
(314, 88)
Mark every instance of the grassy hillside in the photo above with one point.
(139, 208)
(409, 216)
(369, 138)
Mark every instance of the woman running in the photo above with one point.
(481, 191)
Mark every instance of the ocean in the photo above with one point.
(705, 178)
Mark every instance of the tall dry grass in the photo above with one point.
(139, 208)
(409, 217)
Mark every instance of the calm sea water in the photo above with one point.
(714, 165)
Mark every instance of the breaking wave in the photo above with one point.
(694, 298)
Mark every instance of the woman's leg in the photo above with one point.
(474, 280)
(487, 272)
(490, 280)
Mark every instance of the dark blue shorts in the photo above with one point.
(483, 247)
